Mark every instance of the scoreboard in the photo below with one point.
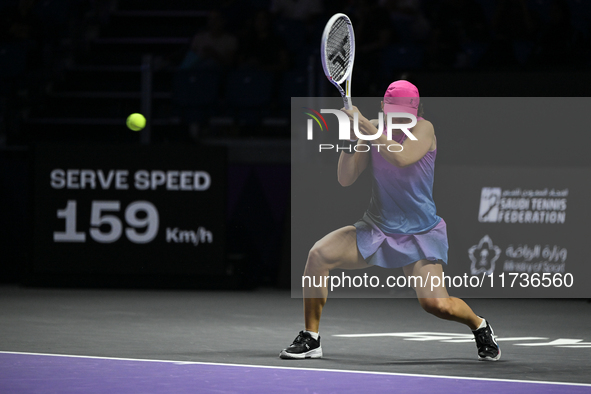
(129, 210)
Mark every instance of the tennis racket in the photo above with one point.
(337, 51)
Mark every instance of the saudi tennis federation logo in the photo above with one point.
(483, 256)
(490, 200)
(314, 116)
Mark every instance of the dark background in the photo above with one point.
(71, 71)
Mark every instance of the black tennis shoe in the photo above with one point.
(304, 346)
(488, 348)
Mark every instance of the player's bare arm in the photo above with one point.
(351, 165)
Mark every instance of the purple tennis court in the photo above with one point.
(129, 341)
(35, 373)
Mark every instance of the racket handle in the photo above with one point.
(348, 102)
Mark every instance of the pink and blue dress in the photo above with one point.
(401, 225)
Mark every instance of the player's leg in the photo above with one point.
(336, 250)
(437, 301)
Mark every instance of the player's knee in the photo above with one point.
(316, 259)
(436, 306)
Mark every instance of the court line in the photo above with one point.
(303, 369)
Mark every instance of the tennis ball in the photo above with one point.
(136, 122)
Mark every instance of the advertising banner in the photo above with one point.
(522, 229)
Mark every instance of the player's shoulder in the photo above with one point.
(425, 126)
(424, 122)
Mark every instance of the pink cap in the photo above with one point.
(402, 96)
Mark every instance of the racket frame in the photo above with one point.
(346, 92)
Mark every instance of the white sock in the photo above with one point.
(482, 325)
(313, 334)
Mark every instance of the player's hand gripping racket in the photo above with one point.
(338, 53)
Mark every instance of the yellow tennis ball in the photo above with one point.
(136, 122)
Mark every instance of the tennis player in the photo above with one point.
(399, 229)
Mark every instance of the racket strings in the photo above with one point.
(338, 49)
